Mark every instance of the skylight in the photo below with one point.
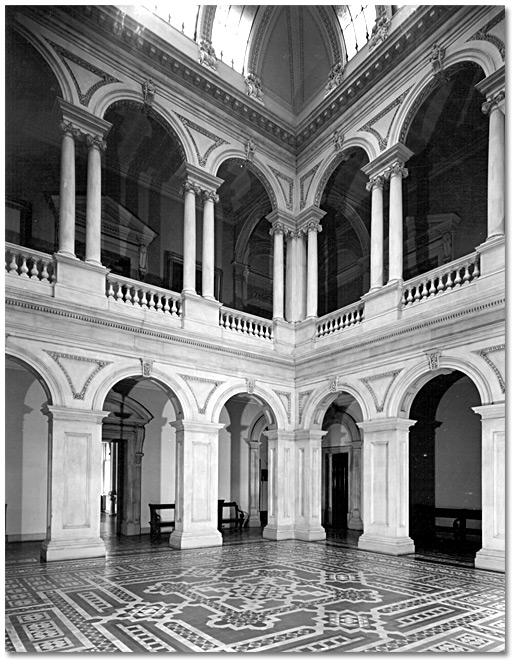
(180, 15)
(356, 22)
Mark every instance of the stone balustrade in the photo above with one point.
(29, 264)
(442, 279)
(257, 327)
(141, 295)
(340, 319)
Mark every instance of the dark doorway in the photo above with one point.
(340, 490)
(112, 500)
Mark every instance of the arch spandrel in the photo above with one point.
(54, 387)
(275, 413)
(413, 379)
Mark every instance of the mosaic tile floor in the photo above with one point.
(251, 595)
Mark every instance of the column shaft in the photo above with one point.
(396, 226)
(376, 235)
(93, 240)
(208, 247)
(278, 277)
(67, 216)
(312, 270)
(496, 173)
(189, 248)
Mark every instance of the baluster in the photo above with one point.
(449, 281)
(458, 279)
(45, 273)
(34, 269)
(476, 270)
(13, 266)
(440, 285)
(110, 291)
(424, 291)
(135, 297)
(143, 302)
(119, 295)
(433, 289)
(23, 269)
(467, 274)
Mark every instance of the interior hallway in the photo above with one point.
(251, 595)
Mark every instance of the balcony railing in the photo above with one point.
(442, 279)
(249, 325)
(141, 295)
(340, 319)
(30, 264)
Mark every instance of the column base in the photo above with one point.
(312, 534)
(278, 533)
(355, 524)
(254, 521)
(491, 559)
(195, 540)
(395, 546)
(52, 550)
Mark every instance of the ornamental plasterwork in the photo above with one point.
(334, 383)
(200, 390)
(285, 397)
(303, 397)
(250, 386)
(379, 386)
(288, 195)
(484, 34)
(75, 368)
(334, 78)
(149, 90)
(385, 126)
(254, 87)
(146, 368)
(379, 31)
(437, 62)
(304, 191)
(207, 55)
(485, 355)
(434, 360)
(97, 78)
(192, 127)
(250, 148)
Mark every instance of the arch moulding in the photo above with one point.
(408, 385)
(52, 386)
(275, 413)
(315, 409)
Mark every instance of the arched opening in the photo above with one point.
(32, 146)
(342, 511)
(445, 193)
(344, 242)
(244, 250)
(445, 467)
(26, 453)
(142, 206)
(139, 457)
(243, 464)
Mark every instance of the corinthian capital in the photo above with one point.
(209, 195)
(312, 226)
(375, 182)
(189, 186)
(397, 169)
(493, 101)
(278, 228)
(70, 129)
(95, 142)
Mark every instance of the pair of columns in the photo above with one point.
(295, 285)
(198, 183)
(77, 125)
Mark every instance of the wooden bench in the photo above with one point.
(237, 518)
(461, 516)
(156, 521)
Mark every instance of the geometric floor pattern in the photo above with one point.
(257, 597)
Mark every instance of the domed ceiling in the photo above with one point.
(291, 48)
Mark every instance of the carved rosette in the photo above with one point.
(493, 102)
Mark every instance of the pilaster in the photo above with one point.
(280, 503)
(308, 457)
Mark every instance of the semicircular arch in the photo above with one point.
(407, 386)
(317, 405)
(275, 413)
(33, 363)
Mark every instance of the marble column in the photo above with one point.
(295, 276)
(278, 231)
(280, 501)
(395, 174)
(308, 481)
(196, 487)
(375, 185)
(93, 234)
(190, 230)
(385, 486)
(492, 555)
(67, 214)
(254, 483)
(496, 164)
(312, 268)
(74, 484)
(208, 244)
